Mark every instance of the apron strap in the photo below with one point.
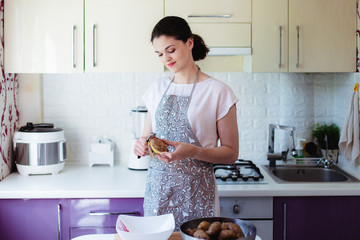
(192, 90)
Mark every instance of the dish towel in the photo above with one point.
(349, 142)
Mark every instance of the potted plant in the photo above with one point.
(332, 131)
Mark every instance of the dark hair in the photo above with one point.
(178, 28)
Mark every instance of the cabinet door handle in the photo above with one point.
(59, 221)
(284, 226)
(298, 46)
(102, 213)
(280, 59)
(94, 45)
(210, 16)
(74, 47)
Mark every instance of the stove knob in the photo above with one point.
(234, 178)
(256, 178)
(236, 209)
(223, 178)
(245, 178)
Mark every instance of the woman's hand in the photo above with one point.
(141, 147)
(182, 151)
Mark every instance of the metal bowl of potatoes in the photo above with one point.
(190, 229)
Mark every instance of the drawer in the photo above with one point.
(247, 207)
(224, 35)
(210, 10)
(102, 212)
(98, 216)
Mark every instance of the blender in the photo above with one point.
(138, 115)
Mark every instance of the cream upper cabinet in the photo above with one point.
(210, 10)
(225, 26)
(118, 33)
(55, 36)
(222, 23)
(43, 36)
(312, 36)
(269, 36)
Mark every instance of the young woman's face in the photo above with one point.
(174, 54)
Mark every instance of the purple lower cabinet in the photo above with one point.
(98, 216)
(55, 219)
(39, 219)
(317, 218)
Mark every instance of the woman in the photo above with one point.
(191, 112)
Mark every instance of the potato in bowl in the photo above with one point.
(217, 228)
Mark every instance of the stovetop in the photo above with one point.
(241, 172)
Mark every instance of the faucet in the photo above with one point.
(273, 157)
(324, 161)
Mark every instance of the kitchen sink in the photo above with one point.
(307, 174)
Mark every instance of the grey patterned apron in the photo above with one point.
(185, 188)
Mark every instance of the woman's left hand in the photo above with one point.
(182, 151)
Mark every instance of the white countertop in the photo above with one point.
(82, 181)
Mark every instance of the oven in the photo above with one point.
(257, 210)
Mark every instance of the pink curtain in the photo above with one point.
(9, 114)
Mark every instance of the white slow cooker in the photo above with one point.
(39, 149)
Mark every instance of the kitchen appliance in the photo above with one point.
(256, 210)
(39, 149)
(241, 172)
(138, 115)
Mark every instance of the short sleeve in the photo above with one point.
(226, 100)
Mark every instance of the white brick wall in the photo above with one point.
(87, 105)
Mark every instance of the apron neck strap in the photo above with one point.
(192, 90)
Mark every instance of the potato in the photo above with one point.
(227, 234)
(214, 229)
(190, 231)
(204, 225)
(225, 225)
(237, 230)
(201, 234)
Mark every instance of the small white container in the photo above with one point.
(101, 152)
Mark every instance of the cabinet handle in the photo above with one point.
(280, 59)
(210, 16)
(284, 226)
(298, 46)
(94, 45)
(102, 213)
(59, 221)
(74, 46)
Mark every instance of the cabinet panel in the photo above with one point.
(210, 10)
(224, 35)
(90, 216)
(328, 218)
(327, 39)
(30, 219)
(316, 36)
(269, 42)
(40, 36)
(117, 35)
(47, 36)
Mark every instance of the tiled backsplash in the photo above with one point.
(87, 105)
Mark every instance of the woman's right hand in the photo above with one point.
(141, 147)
